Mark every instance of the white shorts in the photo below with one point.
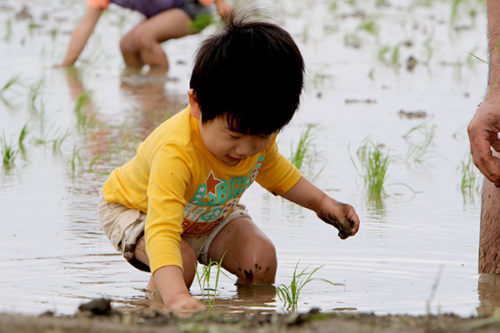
(125, 226)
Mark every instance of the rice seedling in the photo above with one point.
(208, 292)
(8, 30)
(81, 116)
(22, 137)
(374, 163)
(53, 33)
(419, 150)
(8, 153)
(470, 178)
(289, 294)
(202, 21)
(93, 162)
(303, 147)
(56, 142)
(76, 162)
(33, 94)
(11, 82)
(389, 55)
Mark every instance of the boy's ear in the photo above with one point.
(194, 105)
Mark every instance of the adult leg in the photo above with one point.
(489, 243)
(188, 261)
(142, 45)
(248, 252)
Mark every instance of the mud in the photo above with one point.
(313, 321)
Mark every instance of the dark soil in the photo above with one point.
(100, 317)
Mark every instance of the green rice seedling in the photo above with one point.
(303, 147)
(58, 141)
(76, 161)
(33, 94)
(289, 294)
(419, 150)
(374, 162)
(8, 153)
(22, 137)
(208, 292)
(11, 82)
(93, 162)
(369, 26)
(470, 179)
(8, 30)
(53, 34)
(81, 116)
(454, 10)
(304, 155)
(202, 21)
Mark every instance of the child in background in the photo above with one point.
(165, 19)
(176, 202)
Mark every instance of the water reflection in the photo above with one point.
(488, 289)
(148, 90)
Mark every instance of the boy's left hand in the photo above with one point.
(342, 216)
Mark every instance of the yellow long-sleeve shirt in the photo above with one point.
(184, 189)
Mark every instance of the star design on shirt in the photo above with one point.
(212, 183)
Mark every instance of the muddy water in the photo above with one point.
(416, 251)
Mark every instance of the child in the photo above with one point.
(176, 201)
(165, 19)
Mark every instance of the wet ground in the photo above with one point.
(403, 74)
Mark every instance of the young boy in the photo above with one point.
(176, 201)
(165, 19)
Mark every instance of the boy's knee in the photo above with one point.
(127, 43)
(143, 39)
(259, 266)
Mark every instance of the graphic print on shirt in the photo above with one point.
(215, 199)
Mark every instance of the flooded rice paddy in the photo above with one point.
(400, 76)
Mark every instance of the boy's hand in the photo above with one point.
(223, 8)
(342, 216)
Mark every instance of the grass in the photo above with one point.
(9, 153)
(374, 162)
(208, 291)
(289, 294)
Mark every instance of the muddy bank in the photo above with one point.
(111, 321)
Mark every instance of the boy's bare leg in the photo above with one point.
(248, 252)
(188, 261)
(489, 244)
(142, 45)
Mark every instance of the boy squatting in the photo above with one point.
(164, 20)
(176, 201)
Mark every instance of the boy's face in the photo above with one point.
(226, 145)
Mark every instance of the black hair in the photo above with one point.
(252, 72)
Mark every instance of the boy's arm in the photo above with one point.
(342, 216)
(81, 34)
(176, 297)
